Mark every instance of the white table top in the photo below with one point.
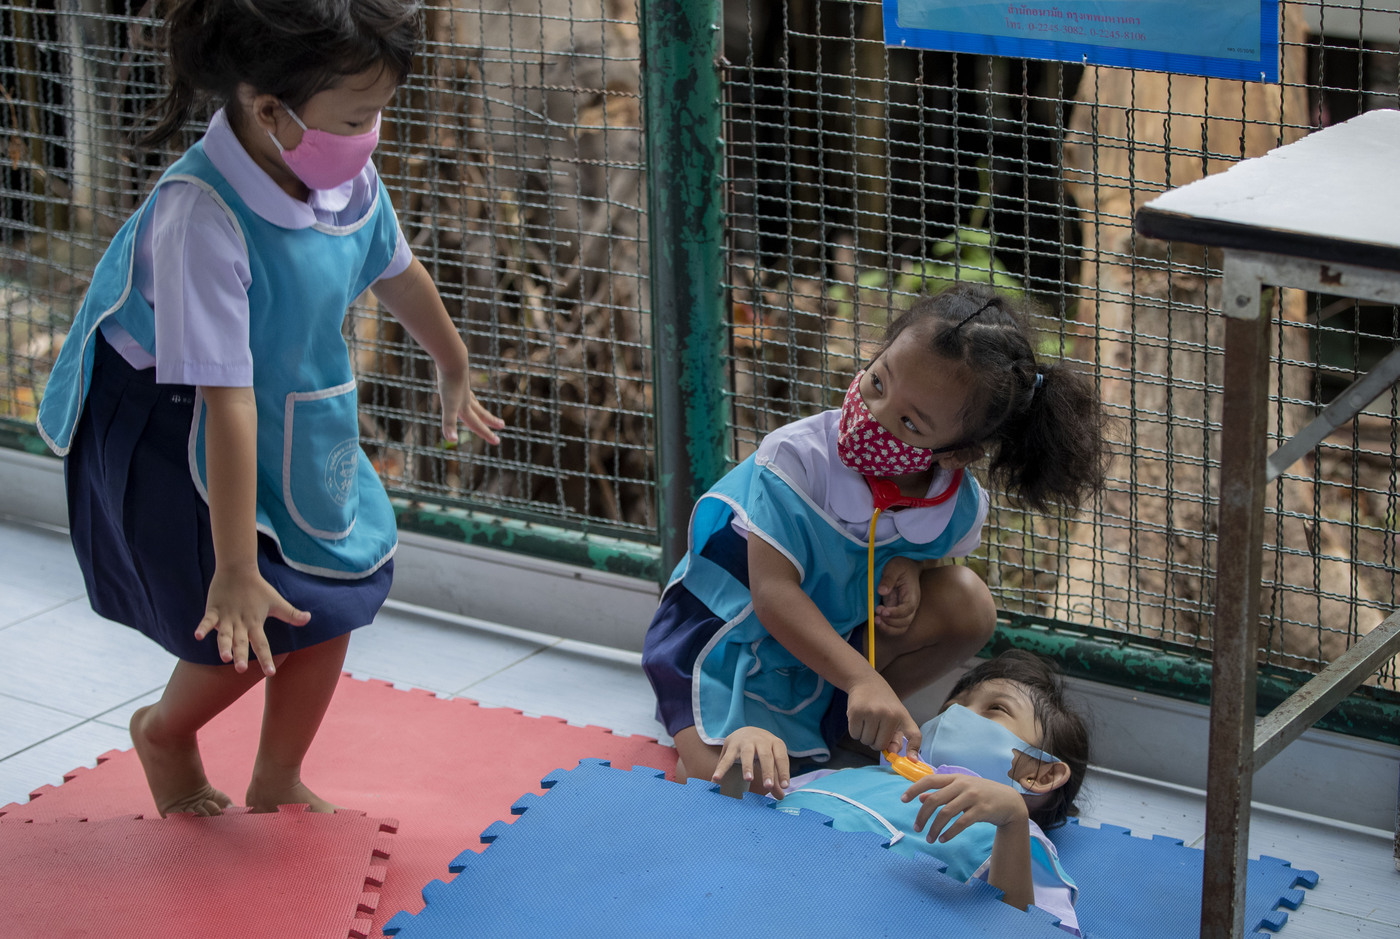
(1334, 195)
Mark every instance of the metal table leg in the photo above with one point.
(1244, 425)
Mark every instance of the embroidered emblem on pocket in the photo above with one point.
(342, 466)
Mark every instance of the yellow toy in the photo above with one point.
(909, 767)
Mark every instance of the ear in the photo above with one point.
(1041, 778)
(265, 111)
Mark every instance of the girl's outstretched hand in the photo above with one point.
(459, 404)
(877, 718)
(414, 300)
(238, 604)
(750, 746)
(945, 795)
(899, 596)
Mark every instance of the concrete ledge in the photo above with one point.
(1327, 774)
(525, 592)
(31, 488)
(497, 586)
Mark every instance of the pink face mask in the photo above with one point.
(324, 160)
(870, 449)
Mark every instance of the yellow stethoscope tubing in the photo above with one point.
(870, 589)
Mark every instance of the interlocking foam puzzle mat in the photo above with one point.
(629, 853)
(622, 851)
(445, 769)
(607, 852)
(1133, 887)
(290, 872)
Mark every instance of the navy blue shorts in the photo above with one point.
(141, 529)
(680, 629)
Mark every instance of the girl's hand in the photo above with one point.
(238, 604)
(945, 795)
(749, 744)
(899, 596)
(459, 404)
(414, 300)
(877, 718)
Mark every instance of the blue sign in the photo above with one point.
(1218, 38)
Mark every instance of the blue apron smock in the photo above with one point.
(135, 449)
(712, 663)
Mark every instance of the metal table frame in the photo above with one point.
(1314, 215)
(1238, 745)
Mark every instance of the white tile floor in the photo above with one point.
(69, 681)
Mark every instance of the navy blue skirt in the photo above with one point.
(141, 529)
(683, 625)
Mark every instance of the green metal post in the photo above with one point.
(684, 154)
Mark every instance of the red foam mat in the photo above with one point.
(446, 769)
(288, 873)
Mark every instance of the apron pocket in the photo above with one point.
(321, 461)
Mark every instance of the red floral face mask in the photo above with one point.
(867, 447)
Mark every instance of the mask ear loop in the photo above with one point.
(886, 495)
(293, 115)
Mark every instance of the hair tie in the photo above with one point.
(1039, 380)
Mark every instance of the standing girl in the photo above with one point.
(757, 626)
(218, 498)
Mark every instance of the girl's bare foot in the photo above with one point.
(265, 796)
(174, 772)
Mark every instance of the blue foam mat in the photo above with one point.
(1140, 887)
(612, 852)
(608, 852)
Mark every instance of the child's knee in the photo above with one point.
(966, 611)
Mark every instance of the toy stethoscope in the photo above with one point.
(886, 495)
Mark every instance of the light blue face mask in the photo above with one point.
(958, 737)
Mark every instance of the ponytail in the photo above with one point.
(192, 26)
(1052, 451)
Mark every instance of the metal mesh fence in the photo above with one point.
(519, 168)
(513, 157)
(858, 176)
(861, 176)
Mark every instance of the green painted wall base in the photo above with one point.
(1178, 671)
(551, 542)
(20, 435)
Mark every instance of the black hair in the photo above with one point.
(288, 48)
(1042, 424)
(1064, 733)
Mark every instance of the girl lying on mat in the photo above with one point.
(992, 794)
